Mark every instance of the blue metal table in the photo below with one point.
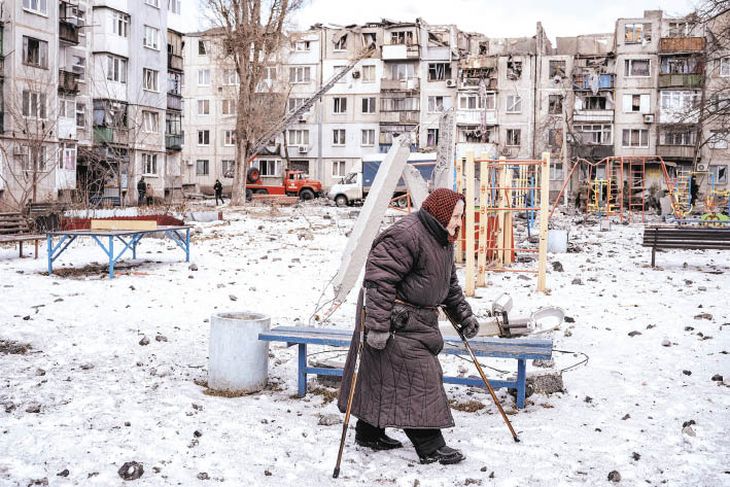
(105, 239)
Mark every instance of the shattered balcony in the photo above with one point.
(68, 82)
(108, 135)
(411, 84)
(68, 33)
(174, 62)
(472, 83)
(593, 82)
(681, 45)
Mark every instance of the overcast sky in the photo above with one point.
(505, 18)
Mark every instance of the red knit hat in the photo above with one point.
(440, 203)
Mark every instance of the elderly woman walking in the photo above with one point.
(409, 273)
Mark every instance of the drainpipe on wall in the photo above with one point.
(320, 115)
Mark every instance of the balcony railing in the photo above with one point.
(466, 83)
(593, 116)
(681, 80)
(68, 32)
(676, 151)
(412, 84)
(173, 141)
(396, 52)
(174, 61)
(174, 101)
(474, 117)
(399, 117)
(587, 82)
(68, 82)
(108, 135)
(675, 45)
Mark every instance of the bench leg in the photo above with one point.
(36, 249)
(521, 380)
(20, 248)
(302, 372)
(653, 253)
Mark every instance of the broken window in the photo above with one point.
(202, 51)
(483, 48)
(680, 65)
(637, 103)
(557, 68)
(514, 69)
(432, 137)
(399, 104)
(594, 134)
(637, 32)
(401, 37)
(300, 45)
(341, 43)
(718, 139)
(555, 104)
(513, 137)
(439, 71)
(637, 67)
(718, 174)
(594, 103)
(402, 71)
(679, 29)
(35, 52)
(514, 104)
(369, 38)
(436, 103)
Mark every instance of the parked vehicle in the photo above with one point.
(355, 186)
(294, 183)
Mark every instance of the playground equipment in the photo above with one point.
(506, 187)
(618, 186)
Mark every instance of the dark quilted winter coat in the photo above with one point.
(401, 386)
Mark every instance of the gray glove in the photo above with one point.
(378, 339)
(470, 327)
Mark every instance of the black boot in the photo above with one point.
(383, 442)
(373, 437)
(444, 455)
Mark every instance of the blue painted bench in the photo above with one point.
(520, 349)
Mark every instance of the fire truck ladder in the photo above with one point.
(263, 141)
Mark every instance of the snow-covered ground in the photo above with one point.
(88, 397)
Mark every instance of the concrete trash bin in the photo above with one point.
(238, 361)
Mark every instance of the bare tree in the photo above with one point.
(251, 33)
(30, 148)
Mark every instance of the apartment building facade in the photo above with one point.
(84, 102)
(41, 47)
